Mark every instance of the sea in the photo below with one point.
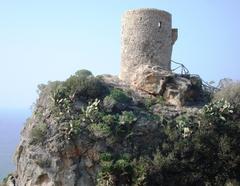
(11, 124)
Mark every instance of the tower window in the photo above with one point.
(159, 24)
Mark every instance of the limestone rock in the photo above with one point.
(150, 80)
(176, 89)
(183, 90)
(53, 161)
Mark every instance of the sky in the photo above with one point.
(49, 40)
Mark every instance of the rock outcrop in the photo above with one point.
(46, 157)
(101, 131)
(176, 89)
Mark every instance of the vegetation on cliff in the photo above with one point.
(87, 131)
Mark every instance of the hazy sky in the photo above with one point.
(51, 39)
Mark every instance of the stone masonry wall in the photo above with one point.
(146, 40)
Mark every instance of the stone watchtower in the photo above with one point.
(146, 42)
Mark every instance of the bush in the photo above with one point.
(106, 156)
(150, 101)
(140, 169)
(83, 73)
(209, 154)
(71, 129)
(116, 101)
(38, 133)
(61, 99)
(122, 165)
(218, 111)
(81, 85)
(185, 125)
(109, 103)
(192, 150)
(118, 167)
(91, 114)
(100, 129)
(85, 86)
(127, 118)
(230, 93)
(119, 96)
(109, 119)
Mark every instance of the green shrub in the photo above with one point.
(149, 102)
(218, 111)
(59, 93)
(105, 179)
(106, 156)
(104, 176)
(114, 167)
(140, 171)
(124, 124)
(160, 100)
(38, 133)
(91, 114)
(109, 103)
(182, 121)
(82, 84)
(158, 159)
(127, 118)
(83, 73)
(123, 165)
(71, 129)
(109, 119)
(100, 129)
(62, 100)
(119, 96)
(185, 125)
(74, 124)
(207, 157)
(85, 86)
(207, 154)
(49, 88)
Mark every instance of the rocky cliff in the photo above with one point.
(76, 121)
(88, 131)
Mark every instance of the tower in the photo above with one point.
(147, 38)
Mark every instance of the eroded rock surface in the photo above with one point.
(176, 89)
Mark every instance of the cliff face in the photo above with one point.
(98, 131)
(84, 129)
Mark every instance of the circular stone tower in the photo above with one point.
(147, 38)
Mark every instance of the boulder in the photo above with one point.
(176, 89)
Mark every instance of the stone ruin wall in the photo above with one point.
(147, 38)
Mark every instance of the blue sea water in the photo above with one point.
(11, 124)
